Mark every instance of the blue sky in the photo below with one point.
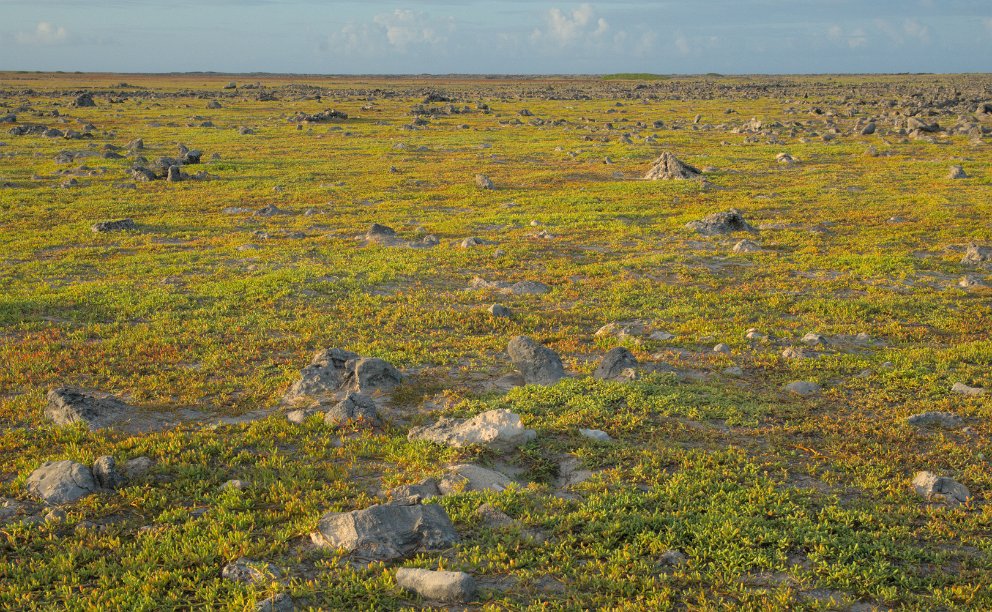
(514, 36)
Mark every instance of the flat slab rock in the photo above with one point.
(387, 531)
(69, 405)
(495, 429)
(467, 477)
(440, 586)
(61, 482)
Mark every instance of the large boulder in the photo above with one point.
(370, 375)
(499, 430)
(335, 370)
(83, 100)
(615, 363)
(440, 586)
(668, 167)
(538, 364)
(325, 375)
(61, 482)
(387, 531)
(69, 405)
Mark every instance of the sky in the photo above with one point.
(505, 37)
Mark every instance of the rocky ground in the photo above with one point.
(476, 343)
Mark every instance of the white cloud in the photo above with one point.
(852, 38)
(917, 30)
(682, 43)
(910, 30)
(45, 33)
(396, 31)
(404, 27)
(565, 29)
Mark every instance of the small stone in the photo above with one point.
(414, 493)
(500, 311)
(754, 334)
(614, 364)
(484, 182)
(596, 434)
(529, 288)
(279, 602)
(734, 371)
(300, 416)
(137, 467)
(795, 352)
(813, 339)
(673, 558)
(493, 517)
(249, 572)
(354, 407)
(977, 254)
(119, 225)
(964, 389)
(956, 172)
(721, 348)
(106, 474)
(940, 488)
(236, 485)
(440, 586)
(747, 246)
(467, 477)
(802, 388)
(945, 420)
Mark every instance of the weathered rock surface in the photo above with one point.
(388, 531)
(335, 370)
(668, 167)
(68, 405)
(279, 602)
(496, 429)
(106, 474)
(61, 482)
(354, 407)
(467, 477)
(118, 225)
(945, 420)
(538, 364)
(614, 364)
(414, 493)
(721, 223)
(977, 254)
(940, 488)
(440, 586)
(249, 572)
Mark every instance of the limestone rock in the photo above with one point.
(614, 364)
(61, 482)
(668, 167)
(68, 405)
(354, 407)
(940, 488)
(440, 586)
(538, 364)
(499, 430)
(467, 477)
(388, 531)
